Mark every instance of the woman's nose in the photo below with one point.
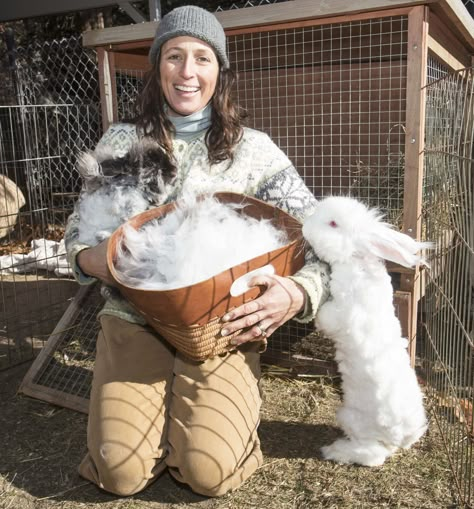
(188, 69)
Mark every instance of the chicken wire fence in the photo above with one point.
(448, 303)
(49, 110)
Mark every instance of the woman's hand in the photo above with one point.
(93, 262)
(281, 301)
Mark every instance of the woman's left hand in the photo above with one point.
(281, 301)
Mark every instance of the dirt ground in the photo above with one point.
(41, 446)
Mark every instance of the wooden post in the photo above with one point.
(108, 96)
(403, 307)
(417, 62)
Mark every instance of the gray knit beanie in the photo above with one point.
(194, 22)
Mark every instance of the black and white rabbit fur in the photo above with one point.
(117, 188)
(382, 408)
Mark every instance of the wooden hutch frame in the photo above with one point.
(442, 28)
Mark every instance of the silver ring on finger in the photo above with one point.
(263, 332)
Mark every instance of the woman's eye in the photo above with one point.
(203, 59)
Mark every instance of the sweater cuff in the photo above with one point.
(314, 279)
(79, 275)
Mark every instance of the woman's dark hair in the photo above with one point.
(226, 120)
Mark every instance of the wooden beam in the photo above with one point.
(455, 14)
(132, 11)
(154, 9)
(444, 41)
(295, 10)
(305, 9)
(443, 55)
(345, 18)
(415, 106)
(137, 47)
(417, 62)
(107, 87)
(452, 11)
(143, 32)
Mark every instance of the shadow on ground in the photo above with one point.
(42, 445)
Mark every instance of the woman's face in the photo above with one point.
(189, 69)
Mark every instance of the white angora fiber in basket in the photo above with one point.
(196, 241)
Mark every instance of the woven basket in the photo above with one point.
(190, 317)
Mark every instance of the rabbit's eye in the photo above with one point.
(333, 224)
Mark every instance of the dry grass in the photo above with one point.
(42, 445)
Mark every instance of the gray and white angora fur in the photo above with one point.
(118, 188)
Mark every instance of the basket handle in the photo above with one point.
(241, 284)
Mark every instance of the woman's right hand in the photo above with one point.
(93, 262)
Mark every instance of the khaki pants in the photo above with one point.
(152, 409)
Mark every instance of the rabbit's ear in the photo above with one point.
(87, 165)
(396, 247)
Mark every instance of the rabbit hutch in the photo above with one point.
(368, 99)
(340, 87)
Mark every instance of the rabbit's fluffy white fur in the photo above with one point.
(196, 241)
(117, 188)
(382, 408)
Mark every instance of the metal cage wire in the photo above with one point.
(448, 303)
(49, 111)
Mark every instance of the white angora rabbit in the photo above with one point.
(382, 407)
(117, 188)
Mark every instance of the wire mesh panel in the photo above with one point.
(436, 70)
(333, 98)
(38, 147)
(62, 374)
(49, 111)
(128, 85)
(448, 304)
(59, 71)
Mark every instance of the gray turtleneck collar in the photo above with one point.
(192, 125)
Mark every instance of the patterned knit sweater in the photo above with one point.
(260, 169)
